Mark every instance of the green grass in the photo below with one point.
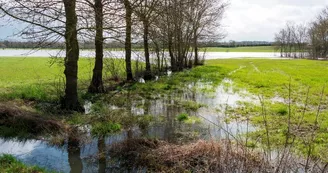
(240, 49)
(8, 164)
(43, 78)
(271, 77)
(31, 78)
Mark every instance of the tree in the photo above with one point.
(146, 13)
(128, 33)
(292, 40)
(318, 34)
(96, 85)
(71, 101)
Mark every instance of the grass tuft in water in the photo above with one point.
(182, 117)
(105, 128)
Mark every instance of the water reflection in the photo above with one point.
(102, 154)
(74, 155)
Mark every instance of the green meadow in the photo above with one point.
(43, 78)
(258, 76)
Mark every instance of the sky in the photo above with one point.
(259, 20)
(248, 20)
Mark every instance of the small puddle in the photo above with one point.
(165, 127)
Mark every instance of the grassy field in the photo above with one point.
(260, 76)
(302, 124)
(270, 77)
(240, 49)
(42, 78)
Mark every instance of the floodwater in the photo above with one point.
(135, 55)
(85, 157)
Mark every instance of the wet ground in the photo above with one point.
(165, 126)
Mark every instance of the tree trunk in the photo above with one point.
(128, 50)
(70, 100)
(196, 49)
(96, 85)
(148, 74)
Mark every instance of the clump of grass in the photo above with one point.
(182, 117)
(9, 164)
(105, 128)
(190, 105)
(282, 110)
(98, 107)
(193, 120)
(144, 121)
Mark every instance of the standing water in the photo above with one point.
(135, 54)
(84, 158)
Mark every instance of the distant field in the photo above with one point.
(240, 49)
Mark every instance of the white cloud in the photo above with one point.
(260, 19)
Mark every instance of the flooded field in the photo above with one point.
(209, 123)
(135, 54)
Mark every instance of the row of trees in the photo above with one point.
(301, 41)
(173, 25)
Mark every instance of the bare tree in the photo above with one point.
(128, 40)
(146, 11)
(292, 40)
(96, 85)
(318, 35)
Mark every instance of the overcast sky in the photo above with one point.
(260, 19)
(251, 19)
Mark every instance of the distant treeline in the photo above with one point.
(119, 45)
(236, 44)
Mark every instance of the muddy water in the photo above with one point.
(88, 157)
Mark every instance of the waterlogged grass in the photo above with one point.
(182, 117)
(272, 77)
(105, 128)
(181, 81)
(8, 164)
(302, 83)
(240, 49)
